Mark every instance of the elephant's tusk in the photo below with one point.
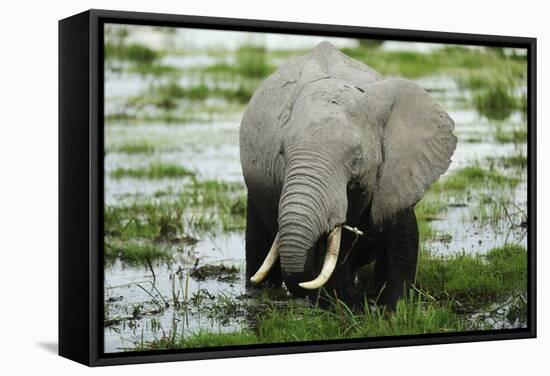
(331, 258)
(268, 262)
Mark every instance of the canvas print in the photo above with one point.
(264, 188)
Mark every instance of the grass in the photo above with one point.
(449, 293)
(474, 280)
(490, 75)
(371, 43)
(155, 69)
(135, 253)
(141, 147)
(412, 316)
(132, 52)
(459, 185)
(489, 211)
(516, 135)
(508, 75)
(518, 160)
(202, 207)
(200, 339)
(454, 60)
(495, 94)
(430, 208)
(166, 96)
(156, 170)
(497, 102)
(425, 230)
(497, 211)
(296, 323)
(472, 177)
(251, 61)
(148, 222)
(227, 201)
(138, 111)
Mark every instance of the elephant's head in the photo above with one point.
(348, 149)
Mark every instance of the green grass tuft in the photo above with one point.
(155, 69)
(496, 102)
(202, 207)
(155, 170)
(132, 52)
(135, 253)
(516, 161)
(430, 208)
(449, 290)
(457, 61)
(250, 62)
(147, 221)
(516, 135)
(298, 323)
(474, 280)
(168, 96)
(142, 147)
(472, 177)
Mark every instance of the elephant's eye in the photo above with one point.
(355, 165)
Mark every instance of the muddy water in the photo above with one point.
(211, 149)
(133, 302)
(460, 229)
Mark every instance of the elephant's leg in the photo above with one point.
(364, 248)
(341, 286)
(258, 243)
(395, 267)
(355, 252)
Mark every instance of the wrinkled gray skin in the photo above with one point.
(326, 141)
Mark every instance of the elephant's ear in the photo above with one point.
(416, 145)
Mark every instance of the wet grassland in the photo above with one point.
(175, 201)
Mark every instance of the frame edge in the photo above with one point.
(74, 220)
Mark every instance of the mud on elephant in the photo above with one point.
(327, 142)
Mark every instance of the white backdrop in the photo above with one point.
(28, 192)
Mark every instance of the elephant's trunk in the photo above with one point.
(313, 202)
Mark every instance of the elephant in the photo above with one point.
(328, 144)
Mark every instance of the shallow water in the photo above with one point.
(459, 229)
(123, 292)
(211, 150)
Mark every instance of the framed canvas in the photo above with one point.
(233, 187)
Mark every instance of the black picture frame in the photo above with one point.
(81, 184)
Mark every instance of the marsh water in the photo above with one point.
(146, 299)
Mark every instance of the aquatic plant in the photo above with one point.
(472, 281)
(202, 207)
(449, 293)
(472, 177)
(252, 61)
(155, 170)
(135, 252)
(517, 135)
(457, 61)
(496, 102)
(132, 52)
